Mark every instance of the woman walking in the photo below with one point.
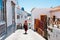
(25, 26)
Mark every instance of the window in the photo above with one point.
(21, 16)
(18, 16)
(2, 10)
(25, 16)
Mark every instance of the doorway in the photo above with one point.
(13, 16)
(44, 20)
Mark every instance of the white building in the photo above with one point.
(36, 12)
(29, 20)
(50, 12)
(7, 18)
(54, 33)
(11, 15)
(55, 11)
(21, 17)
(18, 16)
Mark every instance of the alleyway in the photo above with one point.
(19, 35)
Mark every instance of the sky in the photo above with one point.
(29, 4)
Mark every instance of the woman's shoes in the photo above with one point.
(25, 33)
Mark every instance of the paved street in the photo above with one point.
(19, 35)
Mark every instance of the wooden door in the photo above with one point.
(36, 24)
(44, 20)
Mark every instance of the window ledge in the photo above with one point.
(2, 22)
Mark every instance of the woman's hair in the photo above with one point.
(25, 20)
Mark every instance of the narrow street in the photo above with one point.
(40, 17)
(19, 35)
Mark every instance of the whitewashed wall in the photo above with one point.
(9, 11)
(32, 22)
(16, 15)
(37, 12)
(23, 18)
(57, 14)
